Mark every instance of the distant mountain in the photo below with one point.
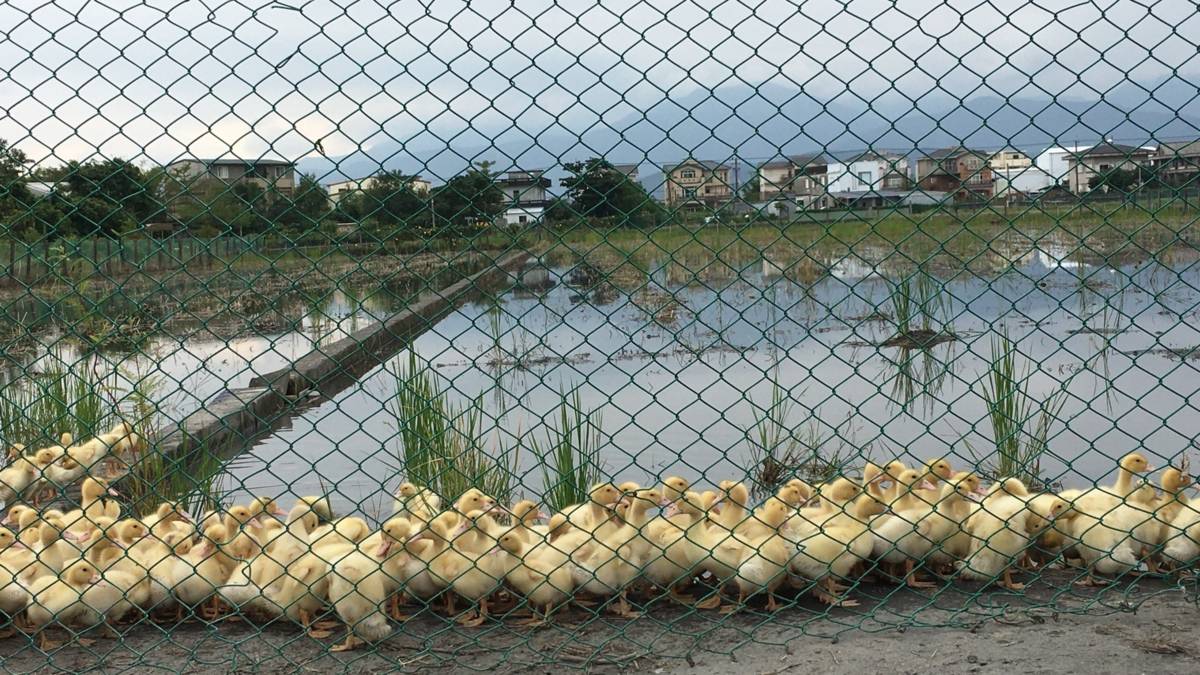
(755, 123)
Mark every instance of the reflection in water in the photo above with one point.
(676, 347)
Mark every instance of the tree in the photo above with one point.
(1124, 180)
(750, 190)
(469, 199)
(391, 202)
(597, 189)
(130, 194)
(15, 198)
(307, 207)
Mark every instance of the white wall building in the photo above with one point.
(1025, 181)
(867, 172)
(1054, 163)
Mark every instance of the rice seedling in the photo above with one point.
(570, 457)
(442, 444)
(780, 450)
(1021, 424)
(919, 312)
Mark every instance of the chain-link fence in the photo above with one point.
(564, 333)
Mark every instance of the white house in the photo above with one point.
(1015, 182)
(1054, 162)
(870, 171)
(525, 192)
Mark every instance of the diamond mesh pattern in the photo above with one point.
(531, 333)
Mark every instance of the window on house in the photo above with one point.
(516, 195)
(1106, 167)
(687, 173)
(689, 192)
(522, 219)
(864, 177)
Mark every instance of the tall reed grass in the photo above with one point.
(570, 456)
(37, 408)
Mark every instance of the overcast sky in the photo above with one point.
(123, 78)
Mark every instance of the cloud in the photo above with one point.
(262, 76)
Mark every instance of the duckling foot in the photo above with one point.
(532, 622)
(325, 624)
(834, 601)
(711, 602)
(319, 633)
(1007, 582)
(7, 633)
(681, 597)
(350, 643)
(1091, 581)
(85, 642)
(46, 644)
(475, 621)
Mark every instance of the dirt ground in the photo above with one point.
(1144, 626)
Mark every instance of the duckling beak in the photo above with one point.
(278, 511)
(96, 578)
(113, 492)
(672, 509)
(383, 549)
(542, 515)
(926, 485)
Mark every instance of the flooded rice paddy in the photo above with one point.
(676, 357)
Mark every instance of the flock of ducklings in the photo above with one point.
(63, 464)
(91, 568)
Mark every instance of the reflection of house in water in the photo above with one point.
(535, 281)
(804, 270)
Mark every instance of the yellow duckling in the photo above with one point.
(1101, 499)
(415, 502)
(209, 568)
(546, 584)
(1002, 529)
(830, 550)
(362, 582)
(937, 470)
(680, 546)
(468, 565)
(596, 511)
(615, 558)
(16, 478)
(525, 514)
(766, 555)
(80, 596)
(13, 596)
(674, 488)
(94, 503)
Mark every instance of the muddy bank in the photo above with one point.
(1146, 627)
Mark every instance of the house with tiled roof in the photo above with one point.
(1102, 159)
(962, 172)
(696, 183)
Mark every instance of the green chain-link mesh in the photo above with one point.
(530, 333)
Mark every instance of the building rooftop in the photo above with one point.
(706, 163)
(236, 161)
(1109, 149)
